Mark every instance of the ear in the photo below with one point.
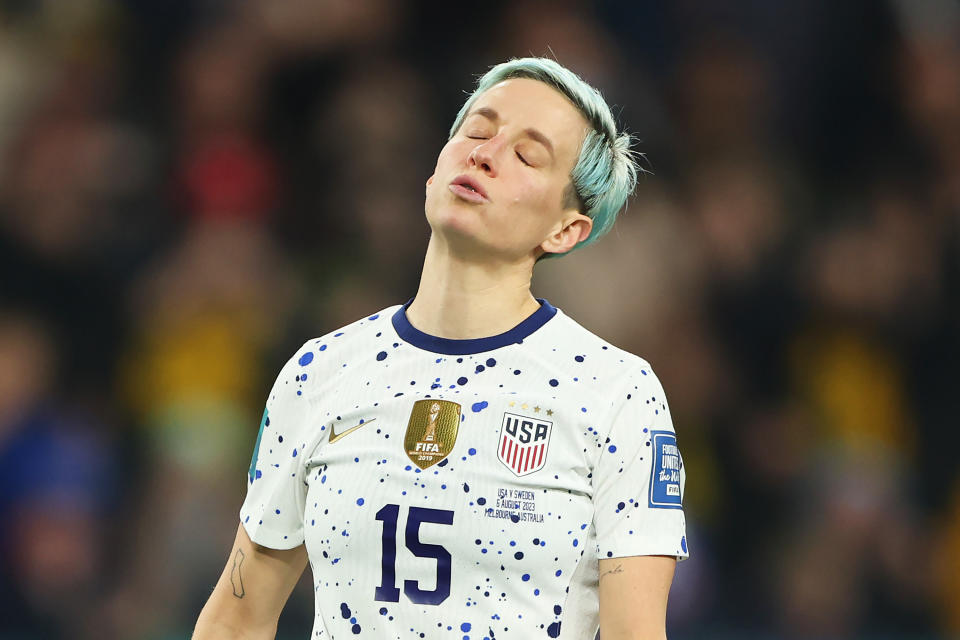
(574, 229)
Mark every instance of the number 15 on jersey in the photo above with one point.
(388, 591)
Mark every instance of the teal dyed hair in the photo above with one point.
(605, 172)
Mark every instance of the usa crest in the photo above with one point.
(523, 443)
(431, 431)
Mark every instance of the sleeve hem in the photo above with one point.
(679, 555)
(266, 537)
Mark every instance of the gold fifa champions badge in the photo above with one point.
(431, 431)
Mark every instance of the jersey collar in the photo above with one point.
(448, 346)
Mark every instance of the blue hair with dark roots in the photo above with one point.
(605, 173)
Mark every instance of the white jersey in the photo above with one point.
(464, 488)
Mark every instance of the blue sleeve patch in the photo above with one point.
(256, 448)
(665, 474)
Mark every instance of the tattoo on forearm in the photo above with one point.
(619, 569)
(235, 578)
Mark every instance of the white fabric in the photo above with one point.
(510, 577)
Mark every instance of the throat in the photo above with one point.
(466, 317)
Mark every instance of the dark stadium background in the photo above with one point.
(188, 190)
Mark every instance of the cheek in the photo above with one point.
(454, 151)
(439, 170)
(537, 194)
(447, 161)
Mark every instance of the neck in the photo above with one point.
(462, 299)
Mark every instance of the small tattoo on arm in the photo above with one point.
(235, 578)
(619, 569)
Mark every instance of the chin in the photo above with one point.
(454, 227)
(454, 216)
(459, 230)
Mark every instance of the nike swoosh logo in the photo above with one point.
(336, 436)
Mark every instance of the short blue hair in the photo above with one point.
(605, 173)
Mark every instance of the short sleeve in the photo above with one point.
(639, 478)
(272, 512)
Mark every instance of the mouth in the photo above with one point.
(468, 189)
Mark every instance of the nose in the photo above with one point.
(483, 157)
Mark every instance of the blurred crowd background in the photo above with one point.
(188, 190)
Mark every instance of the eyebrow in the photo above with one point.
(530, 132)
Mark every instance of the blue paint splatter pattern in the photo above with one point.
(465, 547)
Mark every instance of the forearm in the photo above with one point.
(641, 629)
(214, 624)
(230, 610)
(622, 634)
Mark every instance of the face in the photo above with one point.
(498, 190)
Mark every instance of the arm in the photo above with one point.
(633, 597)
(251, 592)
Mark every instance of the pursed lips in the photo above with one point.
(469, 189)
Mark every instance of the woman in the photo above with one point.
(473, 462)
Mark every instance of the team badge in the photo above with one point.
(523, 443)
(431, 431)
(665, 471)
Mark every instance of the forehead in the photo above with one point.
(530, 103)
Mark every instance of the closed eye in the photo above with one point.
(523, 160)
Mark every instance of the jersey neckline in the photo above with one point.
(452, 347)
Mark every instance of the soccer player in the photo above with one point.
(473, 463)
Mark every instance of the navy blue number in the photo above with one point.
(388, 591)
(419, 515)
